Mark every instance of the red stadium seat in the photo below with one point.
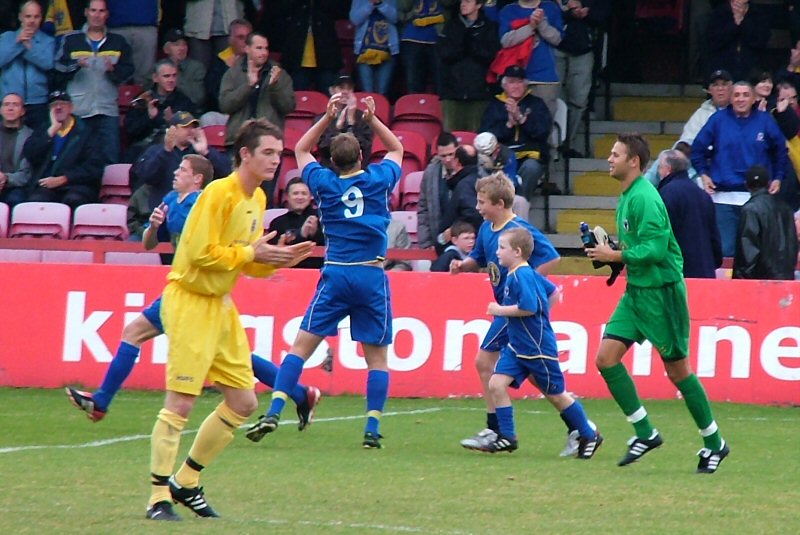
(4, 213)
(100, 221)
(382, 108)
(415, 154)
(464, 137)
(409, 219)
(410, 187)
(121, 257)
(271, 214)
(310, 104)
(40, 220)
(127, 93)
(419, 112)
(68, 257)
(215, 134)
(115, 186)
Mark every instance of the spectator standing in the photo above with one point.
(300, 223)
(255, 87)
(766, 246)
(737, 35)
(191, 73)
(376, 43)
(349, 119)
(237, 35)
(434, 194)
(92, 63)
(65, 158)
(311, 52)
(466, 48)
(732, 141)
(691, 215)
(15, 171)
(719, 87)
(420, 23)
(137, 22)
(27, 56)
(207, 24)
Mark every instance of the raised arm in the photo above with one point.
(302, 151)
(394, 148)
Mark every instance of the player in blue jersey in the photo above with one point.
(166, 224)
(495, 200)
(531, 352)
(354, 213)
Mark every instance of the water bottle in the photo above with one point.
(586, 236)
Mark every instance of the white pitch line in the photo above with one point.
(353, 525)
(129, 438)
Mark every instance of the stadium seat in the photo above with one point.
(4, 212)
(120, 257)
(115, 186)
(100, 221)
(20, 255)
(419, 112)
(415, 154)
(280, 186)
(40, 220)
(464, 137)
(410, 186)
(394, 198)
(310, 104)
(272, 213)
(67, 257)
(409, 219)
(382, 108)
(215, 134)
(127, 92)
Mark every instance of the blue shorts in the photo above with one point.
(361, 292)
(545, 371)
(153, 314)
(497, 336)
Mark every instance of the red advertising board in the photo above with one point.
(60, 324)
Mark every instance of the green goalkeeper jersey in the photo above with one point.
(649, 248)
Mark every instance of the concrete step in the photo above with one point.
(658, 142)
(654, 108)
(560, 203)
(657, 90)
(565, 242)
(569, 220)
(596, 183)
(643, 127)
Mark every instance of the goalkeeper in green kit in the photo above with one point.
(653, 307)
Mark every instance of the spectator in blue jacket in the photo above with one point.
(26, 57)
(732, 141)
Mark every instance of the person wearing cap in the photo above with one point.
(521, 121)
(15, 171)
(466, 47)
(766, 245)
(718, 86)
(91, 64)
(26, 56)
(66, 160)
(154, 168)
(191, 73)
(493, 157)
(732, 141)
(349, 119)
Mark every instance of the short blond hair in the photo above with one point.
(497, 188)
(520, 238)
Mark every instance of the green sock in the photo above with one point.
(622, 388)
(697, 402)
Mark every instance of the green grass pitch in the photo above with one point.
(59, 473)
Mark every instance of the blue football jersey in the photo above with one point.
(530, 335)
(485, 251)
(354, 209)
(177, 212)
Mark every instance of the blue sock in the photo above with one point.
(377, 392)
(566, 422)
(119, 370)
(576, 419)
(286, 380)
(505, 421)
(266, 372)
(491, 422)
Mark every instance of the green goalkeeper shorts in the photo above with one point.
(660, 315)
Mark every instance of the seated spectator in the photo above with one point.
(26, 57)
(397, 238)
(463, 198)
(350, 119)
(763, 85)
(191, 73)
(151, 111)
(691, 215)
(239, 30)
(300, 223)
(520, 120)
(66, 160)
(493, 157)
(15, 171)
(462, 241)
(766, 245)
(156, 166)
(376, 43)
(310, 52)
(255, 87)
(433, 192)
(91, 64)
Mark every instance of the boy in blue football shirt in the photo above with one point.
(354, 212)
(531, 352)
(166, 224)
